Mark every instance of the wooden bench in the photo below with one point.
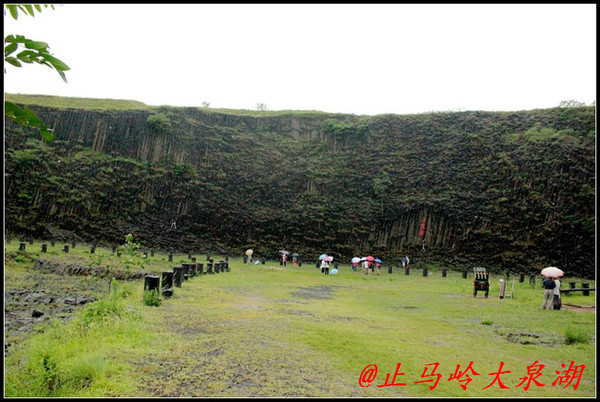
(583, 290)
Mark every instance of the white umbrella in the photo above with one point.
(552, 272)
(249, 252)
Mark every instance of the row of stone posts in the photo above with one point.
(181, 273)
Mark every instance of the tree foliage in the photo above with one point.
(19, 49)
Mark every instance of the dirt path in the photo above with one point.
(580, 309)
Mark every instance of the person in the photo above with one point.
(324, 266)
(173, 224)
(354, 265)
(378, 266)
(365, 267)
(403, 261)
(407, 261)
(284, 258)
(549, 286)
(370, 266)
(556, 290)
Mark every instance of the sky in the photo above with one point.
(363, 59)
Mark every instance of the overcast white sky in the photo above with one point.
(360, 59)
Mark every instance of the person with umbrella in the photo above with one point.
(549, 274)
(325, 265)
(378, 264)
(355, 262)
(284, 255)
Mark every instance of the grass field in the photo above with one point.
(270, 331)
(61, 102)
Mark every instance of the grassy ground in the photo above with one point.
(119, 104)
(265, 330)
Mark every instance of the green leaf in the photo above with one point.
(59, 65)
(27, 56)
(13, 61)
(8, 49)
(28, 8)
(27, 118)
(36, 45)
(63, 76)
(46, 134)
(13, 11)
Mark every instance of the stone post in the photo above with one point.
(178, 275)
(585, 285)
(22, 246)
(167, 283)
(151, 282)
(185, 268)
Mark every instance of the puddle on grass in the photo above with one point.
(527, 338)
(314, 292)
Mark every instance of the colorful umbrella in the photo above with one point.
(284, 252)
(355, 260)
(322, 256)
(378, 260)
(552, 272)
(370, 258)
(328, 258)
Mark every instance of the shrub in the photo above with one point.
(576, 335)
(110, 307)
(151, 297)
(159, 122)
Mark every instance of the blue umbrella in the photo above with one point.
(378, 260)
(333, 271)
(322, 256)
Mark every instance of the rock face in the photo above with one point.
(507, 190)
